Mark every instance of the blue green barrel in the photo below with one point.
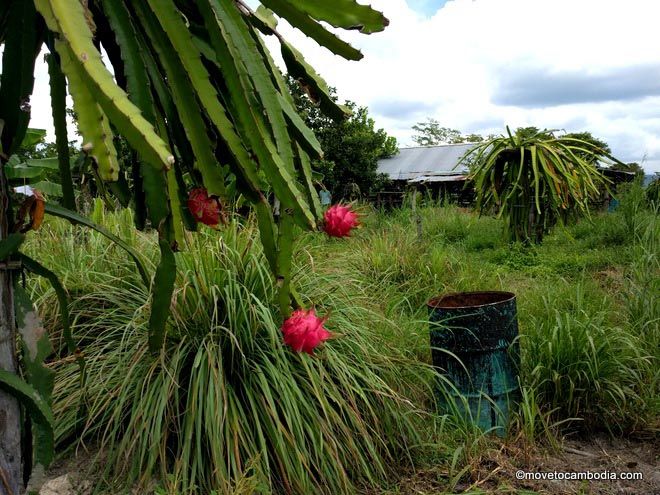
(480, 329)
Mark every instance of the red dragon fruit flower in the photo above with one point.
(339, 220)
(304, 331)
(206, 209)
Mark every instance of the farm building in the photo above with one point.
(434, 169)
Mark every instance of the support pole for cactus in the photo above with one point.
(10, 416)
(416, 214)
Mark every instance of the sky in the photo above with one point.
(479, 65)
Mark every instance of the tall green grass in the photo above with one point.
(225, 401)
(587, 299)
(579, 366)
(225, 405)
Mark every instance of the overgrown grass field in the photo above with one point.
(227, 408)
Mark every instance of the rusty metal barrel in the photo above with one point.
(474, 344)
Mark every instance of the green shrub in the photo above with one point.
(515, 256)
(643, 281)
(653, 192)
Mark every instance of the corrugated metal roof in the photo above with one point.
(437, 178)
(410, 163)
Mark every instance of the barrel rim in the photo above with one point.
(503, 297)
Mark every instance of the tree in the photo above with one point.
(633, 167)
(430, 133)
(534, 178)
(594, 148)
(351, 147)
(196, 95)
(473, 138)
(35, 163)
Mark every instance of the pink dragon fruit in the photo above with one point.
(304, 331)
(206, 209)
(339, 220)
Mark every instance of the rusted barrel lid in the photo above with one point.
(469, 299)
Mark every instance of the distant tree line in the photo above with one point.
(351, 147)
(432, 133)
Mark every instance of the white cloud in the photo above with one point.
(448, 66)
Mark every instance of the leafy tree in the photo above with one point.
(594, 148)
(35, 163)
(34, 146)
(473, 138)
(351, 147)
(633, 167)
(532, 132)
(431, 133)
(195, 93)
(534, 178)
(597, 150)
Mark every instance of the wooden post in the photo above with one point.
(418, 217)
(10, 414)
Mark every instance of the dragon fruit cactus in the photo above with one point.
(206, 209)
(304, 331)
(339, 220)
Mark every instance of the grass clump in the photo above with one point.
(225, 405)
(225, 401)
(587, 302)
(580, 367)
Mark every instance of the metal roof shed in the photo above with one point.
(410, 164)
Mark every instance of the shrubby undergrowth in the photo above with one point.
(587, 301)
(226, 406)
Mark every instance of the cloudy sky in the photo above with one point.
(478, 65)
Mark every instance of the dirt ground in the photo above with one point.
(493, 471)
(498, 470)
